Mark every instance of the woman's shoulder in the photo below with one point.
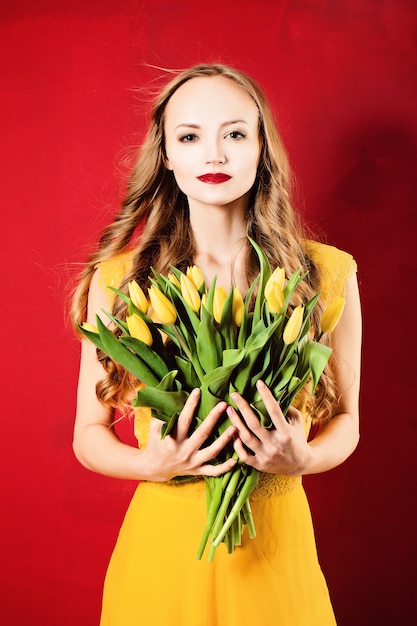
(335, 266)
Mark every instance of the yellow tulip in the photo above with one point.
(293, 325)
(275, 299)
(332, 315)
(138, 297)
(237, 307)
(139, 329)
(219, 299)
(174, 279)
(195, 274)
(89, 327)
(190, 293)
(162, 306)
(276, 279)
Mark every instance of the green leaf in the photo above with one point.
(155, 362)
(318, 356)
(226, 322)
(260, 409)
(207, 402)
(218, 379)
(257, 342)
(208, 342)
(282, 379)
(93, 337)
(122, 325)
(264, 274)
(232, 357)
(167, 402)
(188, 373)
(122, 355)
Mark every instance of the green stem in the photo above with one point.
(196, 364)
(227, 496)
(246, 490)
(247, 511)
(214, 497)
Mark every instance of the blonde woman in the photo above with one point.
(211, 171)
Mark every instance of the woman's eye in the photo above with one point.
(188, 138)
(236, 134)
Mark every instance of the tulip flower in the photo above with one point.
(219, 299)
(275, 298)
(139, 329)
(163, 307)
(276, 279)
(89, 327)
(190, 293)
(174, 280)
(138, 297)
(332, 315)
(195, 274)
(293, 326)
(238, 307)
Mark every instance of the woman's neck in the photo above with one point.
(220, 241)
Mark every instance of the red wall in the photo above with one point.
(341, 76)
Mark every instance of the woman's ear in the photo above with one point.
(167, 163)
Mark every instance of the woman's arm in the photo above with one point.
(285, 449)
(99, 449)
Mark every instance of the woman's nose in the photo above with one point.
(215, 153)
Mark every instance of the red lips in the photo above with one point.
(214, 179)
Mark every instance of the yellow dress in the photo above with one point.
(154, 578)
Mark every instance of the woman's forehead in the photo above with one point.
(213, 97)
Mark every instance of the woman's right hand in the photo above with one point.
(179, 454)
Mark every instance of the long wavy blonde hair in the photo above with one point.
(154, 222)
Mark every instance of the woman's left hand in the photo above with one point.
(281, 450)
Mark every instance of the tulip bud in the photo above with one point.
(190, 293)
(89, 327)
(162, 306)
(139, 329)
(195, 274)
(174, 280)
(237, 307)
(138, 297)
(332, 315)
(219, 299)
(293, 326)
(275, 298)
(276, 279)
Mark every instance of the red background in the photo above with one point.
(341, 77)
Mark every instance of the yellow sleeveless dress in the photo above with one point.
(154, 578)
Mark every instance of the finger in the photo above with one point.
(243, 453)
(251, 426)
(187, 414)
(217, 470)
(201, 433)
(272, 406)
(210, 452)
(155, 426)
(294, 416)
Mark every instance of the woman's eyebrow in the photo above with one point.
(197, 126)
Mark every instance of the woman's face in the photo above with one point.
(212, 141)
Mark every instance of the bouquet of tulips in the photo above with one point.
(221, 343)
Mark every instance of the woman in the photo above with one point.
(211, 171)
